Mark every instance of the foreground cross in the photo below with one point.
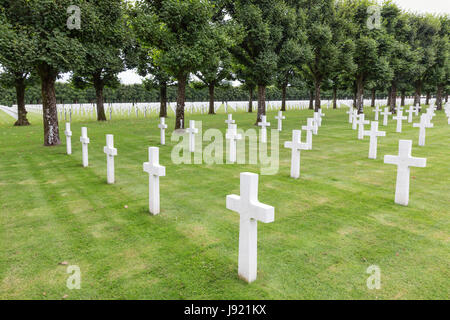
(374, 134)
(154, 170)
(263, 124)
(404, 161)
(233, 136)
(410, 112)
(386, 115)
(361, 122)
(399, 119)
(280, 119)
(84, 142)
(68, 134)
(111, 152)
(163, 126)
(296, 145)
(309, 132)
(422, 125)
(192, 130)
(251, 211)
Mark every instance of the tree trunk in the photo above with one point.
(317, 85)
(446, 97)
(99, 85)
(181, 98)
(427, 102)
(440, 91)
(389, 96)
(283, 97)
(374, 97)
(418, 93)
(393, 98)
(334, 97)
(261, 103)
(50, 113)
(250, 100)
(360, 94)
(21, 111)
(403, 98)
(163, 100)
(311, 99)
(211, 99)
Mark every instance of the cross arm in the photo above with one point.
(263, 212)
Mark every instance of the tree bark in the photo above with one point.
(250, 100)
(403, 98)
(334, 97)
(21, 111)
(317, 85)
(50, 113)
(261, 103)
(283, 97)
(181, 98)
(389, 96)
(99, 85)
(311, 99)
(418, 92)
(360, 94)
(211, 99)
(374, 97)
(446, 97)
(163, 100)
(439, 94)
(393, 98)
(427, 102)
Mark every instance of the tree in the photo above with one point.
(441, 68)
(16, 52)
(103, 46)
(183, 35)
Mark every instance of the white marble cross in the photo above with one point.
(355, 119)
(230, 120)
(162, 126)
(386, 115)
(374, 134)
(296, 145)
(361, 122)
(233, 136)
(422, 125)
(111, 152)
(280, 119)
(350, 115)
(377, 111)
(404, 161)
(318, 118)
(192, 130)
(251, 211)
(155, 170)
(263, 124)
(68, 134)
(309, 131)
(399, 119)
(84, 142)
(416, 109)
(410, 112)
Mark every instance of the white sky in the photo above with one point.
(431, 6)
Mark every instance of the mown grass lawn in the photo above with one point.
(333, 223)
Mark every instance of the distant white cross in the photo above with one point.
(361, 122)
(416, 109)
(263, 124)
(318, 118)
(251, 211)
(410, 112)
(111, 152)
(68, 134)
(230, 120)
(309, 131)
(404, 161)
(386, 115)
(280, 119)
(423, 125)
(162, 126)
(192, 130)
(399, 119)
(233, 136)
(155, 170)
(355, 119)
(374, 134)
(377, 111)
(84, 142)
(296, 145)
(350, 114)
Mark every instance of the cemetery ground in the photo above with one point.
(330, 225)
